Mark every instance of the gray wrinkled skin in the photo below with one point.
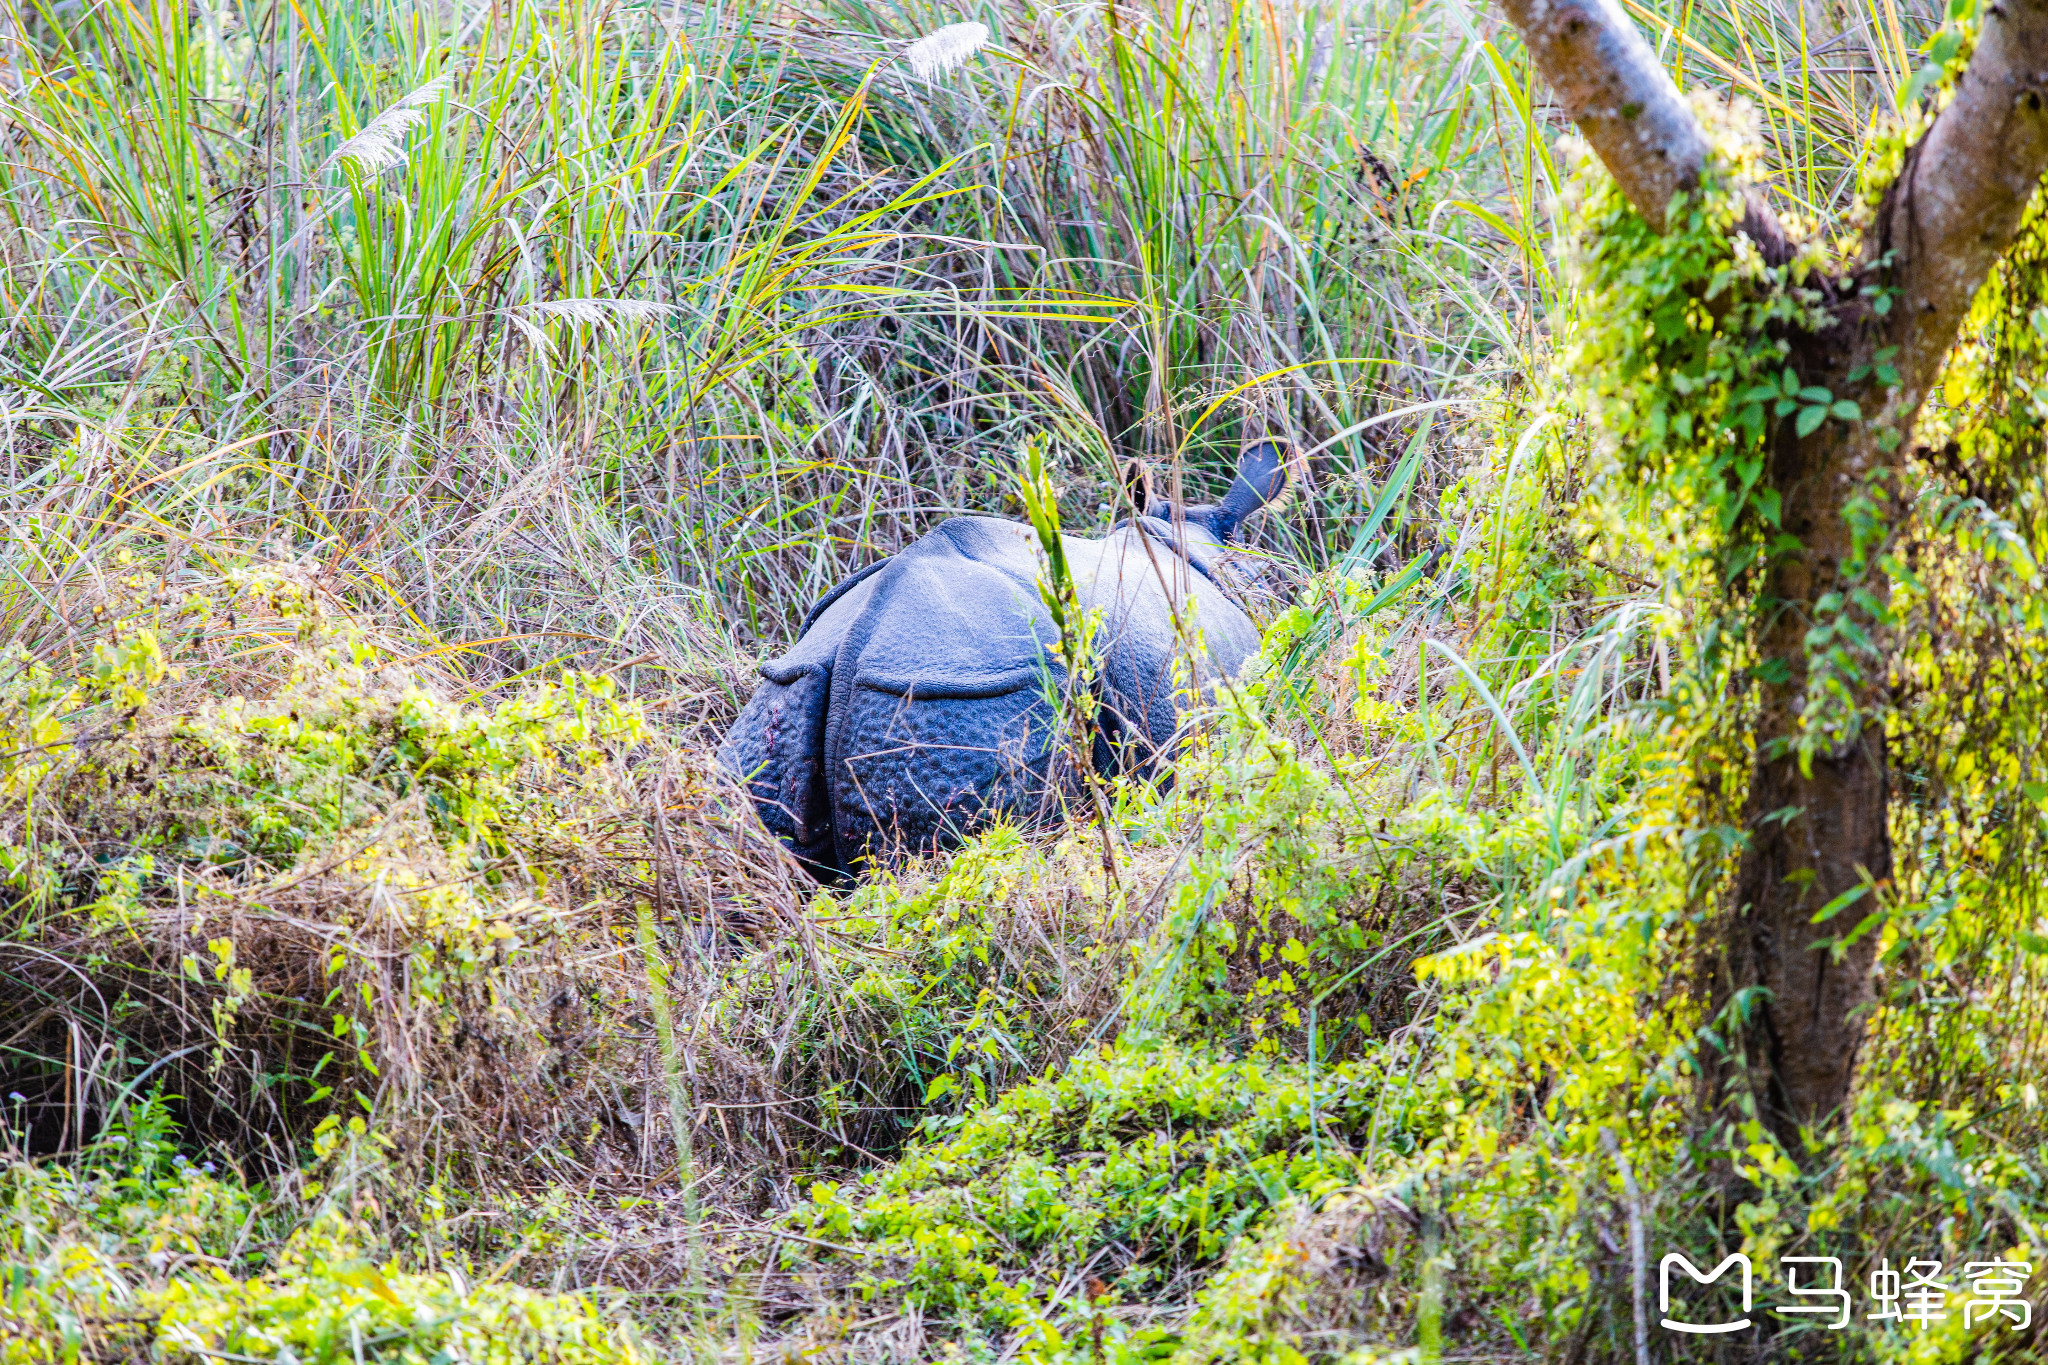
(915, 708)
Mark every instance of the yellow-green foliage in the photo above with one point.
(1297, 908)
(1325, 1274)
(939, 986)
(134, 1252)
(347, 888)
(1010, 947)
(1679, 342)
(325, 1303)
(1169, 1153)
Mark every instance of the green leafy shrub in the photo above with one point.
(133, 1252)
(1313, 879)
(345, 894)
(1141, 1162)
(938, 986)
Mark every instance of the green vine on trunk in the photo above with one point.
(1687, 369)
(1683, 354)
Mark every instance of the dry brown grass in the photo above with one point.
(486, 991)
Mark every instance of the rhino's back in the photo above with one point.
(915, 706)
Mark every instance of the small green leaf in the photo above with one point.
(1846, 410)
(1814, 393)
(1910, 93)
(1842, 902)
(1809, 419)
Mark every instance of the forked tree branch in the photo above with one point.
(1941, 229)
(1613, 87)
(1957, 202)
(1943, 225)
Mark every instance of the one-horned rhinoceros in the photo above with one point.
(919, 702)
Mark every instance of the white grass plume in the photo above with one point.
(381, 144)
(600, 313)
(945, 49)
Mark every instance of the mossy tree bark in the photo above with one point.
(1818, 829)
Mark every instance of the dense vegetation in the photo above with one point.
(416, 420)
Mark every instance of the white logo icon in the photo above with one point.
(1664, 1291)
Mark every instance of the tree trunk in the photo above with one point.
(1818, 830)
(1802, 1043)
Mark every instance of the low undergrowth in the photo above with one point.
(347, 894)
(136, 1252)
(1103, 1195)
(528, 939)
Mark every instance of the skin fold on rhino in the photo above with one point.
(916, 705)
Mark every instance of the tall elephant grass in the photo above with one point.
(599, 330)
(595, 331)
(515, 325)
(1263, 185)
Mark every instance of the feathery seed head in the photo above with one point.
(945, 49)
(380, 146)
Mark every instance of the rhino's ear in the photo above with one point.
(1264, 471)
(1138, 485)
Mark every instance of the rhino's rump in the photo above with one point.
(920, 771)
(915, 707)
(939, 719)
